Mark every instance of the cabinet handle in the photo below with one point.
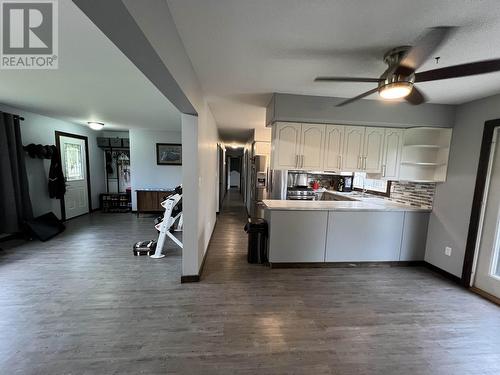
(360, 162)
(383, 170)
(302, 162)
(339, 162)
(296, 161)
(364, 163)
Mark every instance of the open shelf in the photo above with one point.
(425, 146)
(424, 164)
(425, 154)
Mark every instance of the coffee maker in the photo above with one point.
(343, 183)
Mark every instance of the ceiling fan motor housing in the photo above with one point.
(392, 58)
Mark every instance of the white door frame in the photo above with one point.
(58, 145)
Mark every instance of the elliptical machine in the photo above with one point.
(166, 227)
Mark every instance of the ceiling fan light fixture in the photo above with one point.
(395, 90)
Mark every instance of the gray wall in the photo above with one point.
(145, 173)
(449, 221)
(319, 109)
(41, 129)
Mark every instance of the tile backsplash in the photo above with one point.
(413, 193)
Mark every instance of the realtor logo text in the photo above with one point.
(29, 37)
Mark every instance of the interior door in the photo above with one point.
(334, 145)
(373, 150)
(393, 146)
(353, 148)
(287, 145)
(487, 274)
(74, 163)
(312, 147)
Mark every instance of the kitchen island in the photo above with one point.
(367, 229)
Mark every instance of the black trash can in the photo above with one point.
(257, 240)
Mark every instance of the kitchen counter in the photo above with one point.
(359, 228)
(363, 204)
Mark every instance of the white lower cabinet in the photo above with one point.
(346, 236)
(364, 236)
(297, 236)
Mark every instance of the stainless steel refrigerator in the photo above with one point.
(259, 188)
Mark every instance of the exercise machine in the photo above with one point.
(172, 222)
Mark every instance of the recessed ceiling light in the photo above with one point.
(395, 90)
(95, 125)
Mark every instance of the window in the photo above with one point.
(378, 186)
(73, 162)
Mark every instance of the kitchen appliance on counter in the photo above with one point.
(299, 193)
(343, 183)
(297, 179)
(259, 187)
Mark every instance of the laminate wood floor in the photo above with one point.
(83, 304)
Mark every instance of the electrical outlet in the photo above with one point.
(447, 251)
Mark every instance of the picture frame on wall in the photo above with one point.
(169, 154)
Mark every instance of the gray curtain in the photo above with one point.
(15, 204)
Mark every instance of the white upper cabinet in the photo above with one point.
(393, 146)
(312, 143)
(286, 145)
(414, 154)
(298, 146)
(373, 150)
(334, 145)
(353, 148)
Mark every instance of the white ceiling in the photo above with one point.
(95, 81)
(243, 50)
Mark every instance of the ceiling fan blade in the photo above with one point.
(462, 70)
(357, 97)
(422, 50)
(415, 97)
(346, 79)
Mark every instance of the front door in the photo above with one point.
(487, 275)
(74, 163)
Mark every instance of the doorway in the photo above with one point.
(74, 153)
(220, 154)
(486, 275)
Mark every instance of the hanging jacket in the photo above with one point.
(57, 183)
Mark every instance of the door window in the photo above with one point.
(73, 156)
(496, 253)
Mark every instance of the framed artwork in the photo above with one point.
(168, 154)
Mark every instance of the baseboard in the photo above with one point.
(347, 264)
(190, 279)
(485, 295)
(197, 278)
(444, 273)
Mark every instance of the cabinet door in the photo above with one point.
(334, 145)
(353, 148)
(286, 145)
(312, 146)
(373, 150)
(393, 146)
(364, 236)
(297, 236)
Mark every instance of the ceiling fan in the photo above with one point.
(398, 80)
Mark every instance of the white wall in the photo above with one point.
(200, 184)
(449, 221)
(199, 134)
(40, 129)
(144, 172)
